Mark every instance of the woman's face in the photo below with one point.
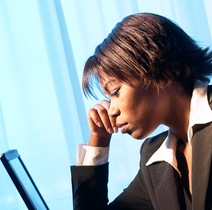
(138, 111)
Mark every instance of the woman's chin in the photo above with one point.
(139, 136)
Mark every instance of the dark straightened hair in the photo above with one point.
(149, 48)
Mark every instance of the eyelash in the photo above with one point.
(115, 92)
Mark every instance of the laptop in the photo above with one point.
(23, 181)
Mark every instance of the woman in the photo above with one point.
(153, 73)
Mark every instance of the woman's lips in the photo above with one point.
(122, 127)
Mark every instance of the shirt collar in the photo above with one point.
(200, 113)
(166, 152)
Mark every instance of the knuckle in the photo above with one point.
(90, 111)
(105, 103)
(97, 106)
(102, 111)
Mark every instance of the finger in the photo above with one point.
(103, 115)
(95, 129)
(96, 118)
(113, 124)
(106, 105)
(93, 116)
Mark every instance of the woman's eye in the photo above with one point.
(115, 92)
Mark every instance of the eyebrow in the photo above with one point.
(107, 83)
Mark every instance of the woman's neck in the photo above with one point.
(179, 111)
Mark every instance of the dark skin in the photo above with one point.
(138, 112)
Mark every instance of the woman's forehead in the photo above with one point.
(106, 81)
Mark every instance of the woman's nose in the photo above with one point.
(113, 110)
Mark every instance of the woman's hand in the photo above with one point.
(101, 125)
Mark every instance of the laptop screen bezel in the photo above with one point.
(12, 155)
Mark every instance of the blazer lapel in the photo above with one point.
(164, 180)
(201, 167)
(161, 178)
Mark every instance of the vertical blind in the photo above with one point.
(43, 47)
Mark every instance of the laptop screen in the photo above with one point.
(23, 181)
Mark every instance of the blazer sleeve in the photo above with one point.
(89, 184)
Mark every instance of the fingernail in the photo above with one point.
(115, 128)
(110, 130)
(99, 124)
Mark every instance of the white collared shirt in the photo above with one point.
(200, 113)
(90, 156)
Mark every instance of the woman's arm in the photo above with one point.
(89, 185)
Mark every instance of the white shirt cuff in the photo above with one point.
(91, 156)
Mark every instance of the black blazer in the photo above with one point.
(156, 186)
